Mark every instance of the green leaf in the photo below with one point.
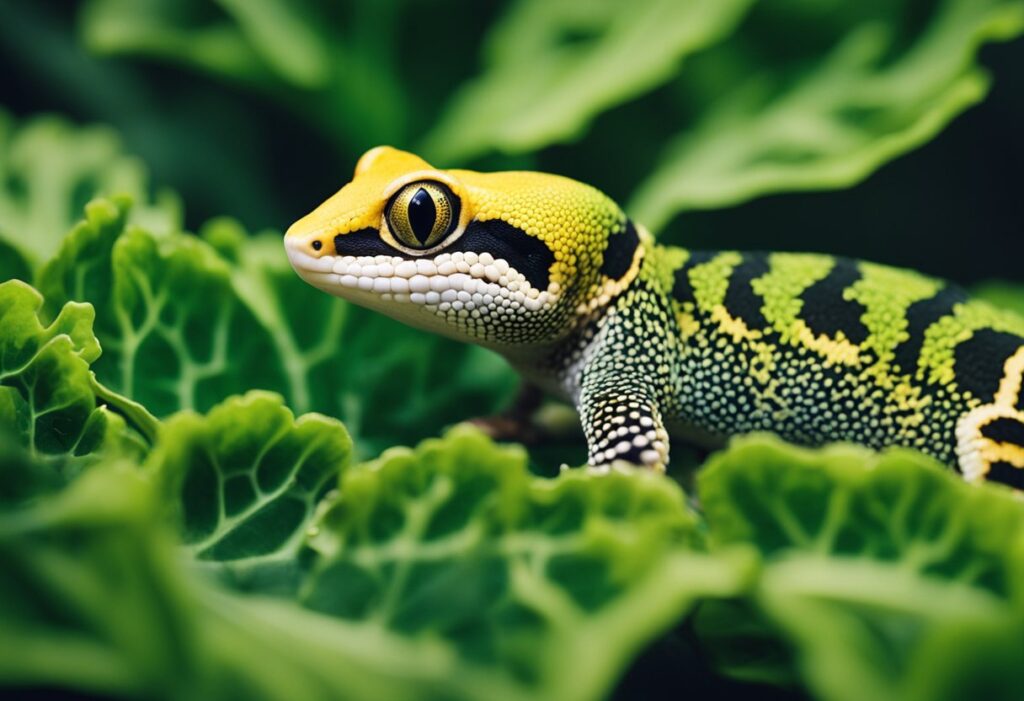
(242, 483)
(553, 67)
(91, 595)
(517, 587)
(174, 333)
(186, 322)
(878, 568)
(247, 40)
(828, 121)
(314, 56)
(47, 397)
(49, 169)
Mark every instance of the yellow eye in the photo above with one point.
(421, 214)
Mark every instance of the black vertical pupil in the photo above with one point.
(422, 213)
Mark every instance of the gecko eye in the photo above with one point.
(421, 214)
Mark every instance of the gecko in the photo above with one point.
(650, 341)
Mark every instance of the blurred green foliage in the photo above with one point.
(671, 107)
(170, 529)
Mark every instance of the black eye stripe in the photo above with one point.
(364, 242)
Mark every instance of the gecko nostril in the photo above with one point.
(317, 245)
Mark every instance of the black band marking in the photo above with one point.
(1005, 473)
(920, 316)
(682, 290)
(364, 242)
(618, 256)
(523, 252)
(740, 299)
(826, 311)
(978, 361)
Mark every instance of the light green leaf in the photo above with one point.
(554, 66)
(333, 63)
(47, 397)
(832, 121)
(518, 587)
(877, 568)
(288, 40)
(186, 322)
(246, 41)
(174, 333)
(242, 482)
(49, 169)
(387, 382)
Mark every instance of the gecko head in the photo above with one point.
(497, 258)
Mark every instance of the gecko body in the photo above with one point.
(651, 341)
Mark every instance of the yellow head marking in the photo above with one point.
(504, 258)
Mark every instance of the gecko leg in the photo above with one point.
(622, 422)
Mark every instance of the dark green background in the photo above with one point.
(953, 208)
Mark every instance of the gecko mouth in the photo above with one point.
(458, 281)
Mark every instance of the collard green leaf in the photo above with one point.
(186, 322)
(580, 572)
(243, 481)
(833, 119)
(47, 394)
(174, 333)
(91, 597)
(876, 566)
(553, 67)
(520, 587)
(387, 382)
(49, 169)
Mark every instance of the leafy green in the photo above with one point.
(314, 56)
(502, 586)
(91, 594)
(49, 169)
(47, 395)
(889, 576)
(523, 587)
(187, 321)
(829, 122)
(553, 67)
(243, 481)
(251, 40)
(389, 383)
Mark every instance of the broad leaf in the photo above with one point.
(315, 55)
(554, 66)
(830, 120)
(877, 567)
(49, 169)
(47, 395)
(249, 40)
(91, 598)
(242, 483)
(186, 322)
(518, 587)
(389, 383)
